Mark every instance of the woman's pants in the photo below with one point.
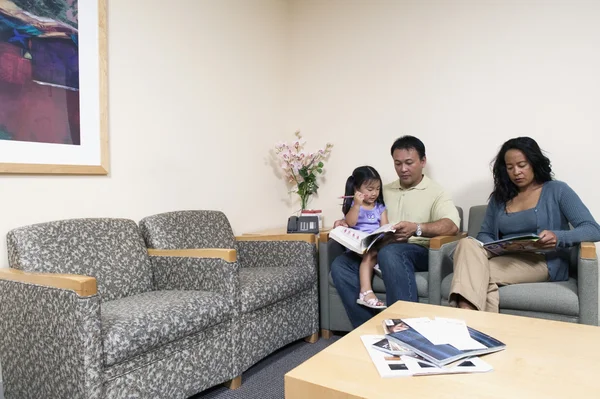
(477, 276)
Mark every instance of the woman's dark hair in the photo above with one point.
(409, 143)
(504, 188)
(360, 175)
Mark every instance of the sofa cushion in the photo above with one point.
(379, 287)
(111, 250)
(139, 323)
(558, 297)
(263, 286)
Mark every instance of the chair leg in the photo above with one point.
(234, 383)
(326, 334)
(311, 339)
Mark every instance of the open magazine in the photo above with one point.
(522, 243)
(390, 366)
(441, 341)
(359, 241)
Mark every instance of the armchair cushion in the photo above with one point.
(187, 229)
(139, 323)
(263, 286)
(558, 297)
(111, 250)
(290, 254)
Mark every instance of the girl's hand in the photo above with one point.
(547, 240)
(358, 198)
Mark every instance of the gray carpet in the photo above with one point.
(264, 380)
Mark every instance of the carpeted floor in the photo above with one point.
(264, 380)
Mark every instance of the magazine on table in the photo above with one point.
(359, 241)
(442, 341)
(389, 366)
(522, 243)
(391, 348)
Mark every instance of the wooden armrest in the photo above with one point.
(228, 255)
(437, 242)
(310, 238)
(588, 250)
(82, 285)
(324, 235)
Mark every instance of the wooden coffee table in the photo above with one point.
(543, 359)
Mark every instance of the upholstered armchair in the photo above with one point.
(277, 300)
(575, 300)
(85, 313)
(333, 314)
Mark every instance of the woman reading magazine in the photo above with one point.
(525, 200)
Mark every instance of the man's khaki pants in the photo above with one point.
(477, 276)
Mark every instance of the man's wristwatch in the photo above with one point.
(419, 231)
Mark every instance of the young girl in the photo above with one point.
(364, 210)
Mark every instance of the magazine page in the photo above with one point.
(470, 365)
(387, 366)
(392, 348)
(513, 245)
(349, 238)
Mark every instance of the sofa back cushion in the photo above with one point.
(187, 230)
(111, 250)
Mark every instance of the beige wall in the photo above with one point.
(464, 76)
(200, 90)
(196, 93)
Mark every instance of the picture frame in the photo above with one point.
(89, 153)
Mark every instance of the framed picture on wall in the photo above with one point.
(53, 87)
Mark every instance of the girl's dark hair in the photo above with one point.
(504, 188)
(360, 175)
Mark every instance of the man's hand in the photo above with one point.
(404, 230)
(547, 240)
(340, 222)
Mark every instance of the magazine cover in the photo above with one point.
(387, 366)
(405, 366)
(442, 354)
(391, 348)
(393, 325)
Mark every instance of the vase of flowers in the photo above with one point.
(301, 168)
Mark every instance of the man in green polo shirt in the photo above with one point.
(420, 208)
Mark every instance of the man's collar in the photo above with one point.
(423, 184)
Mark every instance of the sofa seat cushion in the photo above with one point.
(264, 286)
(379, 287)
(137, 324)
(557, 297)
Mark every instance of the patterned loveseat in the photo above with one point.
(85, 312)
(277, 301)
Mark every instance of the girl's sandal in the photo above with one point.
(372, 303)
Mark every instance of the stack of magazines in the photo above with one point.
(422, 346)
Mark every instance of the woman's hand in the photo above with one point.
(547, 240)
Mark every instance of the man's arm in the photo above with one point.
(445, 223)
(442, 227)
